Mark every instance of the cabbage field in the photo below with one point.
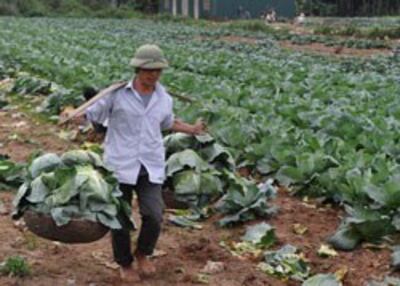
(323, 129)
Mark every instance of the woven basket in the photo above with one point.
(76, 231)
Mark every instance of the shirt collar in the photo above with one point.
(129, 85)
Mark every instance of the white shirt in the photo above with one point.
(134, 135)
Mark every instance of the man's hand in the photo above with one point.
(67, 112)
(199, 127)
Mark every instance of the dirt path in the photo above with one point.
(186, 252)
(313, 48)
(318, 48)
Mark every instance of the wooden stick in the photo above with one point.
(81, 109)
(182, 97)
(5, 81)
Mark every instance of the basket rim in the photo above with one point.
(31, 212)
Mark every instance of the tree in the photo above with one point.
(351, 7)
(150, 6)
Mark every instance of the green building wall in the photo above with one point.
(229, 9)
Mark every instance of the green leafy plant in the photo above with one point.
(244, 201)
(363, 224)
(194, 168)
(396, 257)
(15, 266)
(285, 263)
(75, 185)
(11, 174)
(387, 281)
(261, 235)
(322, 280)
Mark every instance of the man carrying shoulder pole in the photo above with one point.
(136, 114)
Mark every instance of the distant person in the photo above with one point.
(243, 14)
(240, 11)
(247, 15)
(270, 16)
(300, 20)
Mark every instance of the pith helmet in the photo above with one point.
(149, 57)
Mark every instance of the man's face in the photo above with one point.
(149, 77)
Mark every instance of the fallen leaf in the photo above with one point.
(13, 137)
(201, 279)
(16, 115)
(184, 222)
(213, 267)
(158, 253)
(102, 259)
(299, 229)
(326, 251)
(20, 124)
(20, 225)
(67, 135)
(375, 246)
(310, 206)
(341, 273)
(180, 270)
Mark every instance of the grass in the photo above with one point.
(253, 26)
(15, 266)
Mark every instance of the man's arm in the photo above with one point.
(97, 108)
(98, 112)
(193, 129)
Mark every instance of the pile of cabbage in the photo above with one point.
(196, 168)
(201, 172)
(73, 185)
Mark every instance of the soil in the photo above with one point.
(318, 48)
(313, 48)
(239, 39)
(185, 252)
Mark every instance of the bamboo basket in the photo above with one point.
(76, 231)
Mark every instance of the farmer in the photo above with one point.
(299, 20)
(270, 16)
(136, 113)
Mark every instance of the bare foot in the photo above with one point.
(146, 267)
(129, 274)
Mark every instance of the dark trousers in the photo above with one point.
(151, 207)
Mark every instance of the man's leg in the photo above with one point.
(151, 210)
(121, 240)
